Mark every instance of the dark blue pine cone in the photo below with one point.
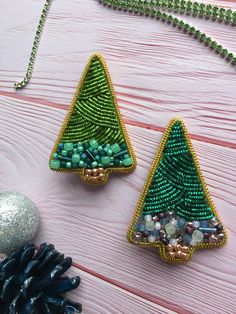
(31, 282)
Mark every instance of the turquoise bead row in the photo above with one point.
(90, 155)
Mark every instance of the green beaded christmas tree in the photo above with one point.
(175, 211)
(93, 140)
(176, 184)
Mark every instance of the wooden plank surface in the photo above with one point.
(158, 73)
(100, 296)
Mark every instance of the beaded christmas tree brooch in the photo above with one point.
(175, 212)
(93, 140)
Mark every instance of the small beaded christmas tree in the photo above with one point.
(175, 211)
(93, 140)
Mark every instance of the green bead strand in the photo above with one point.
(29, 72)
(152, 9)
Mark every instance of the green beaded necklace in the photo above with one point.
(152, 9)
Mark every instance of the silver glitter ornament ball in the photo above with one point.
(18, 221)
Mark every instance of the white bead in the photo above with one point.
(193, 242)
(214, 221)
(148, 217)
(170, 228)
(157, 225)
(138, 235)
(195, 224)
(149, 225)
(174, 221)
(197, 236)
(173, 242)
(151, 238)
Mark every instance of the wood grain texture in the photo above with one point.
(96, 296)
(157, 73)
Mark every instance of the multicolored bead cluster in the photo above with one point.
(176, 233)
(90, 155)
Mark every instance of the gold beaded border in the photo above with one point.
(144, 192)
(107, 171)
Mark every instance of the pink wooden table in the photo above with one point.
(157, 73)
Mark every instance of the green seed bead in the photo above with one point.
(68, 164)
(164, 16)
(230, 56)
(81, 163)
(208, 41)
(181, 24)
(214, 44)
(80, 148)
(202, 37)
(158, 15)
(115, 148)
(127, 162)
(97, 157)
(192, 30)
(219, 49)
(94, 144)
(64, 152)
(224, 52)
(175, 21)
(233, 61)
(116, 161)
(62, 164)
(94, 164)
(68, 146)
(187, 27)
(105, 160)
(197, 33)
(75, 158)
(54, 164)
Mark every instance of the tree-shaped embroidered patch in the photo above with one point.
(93, 140)
(175, 211)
